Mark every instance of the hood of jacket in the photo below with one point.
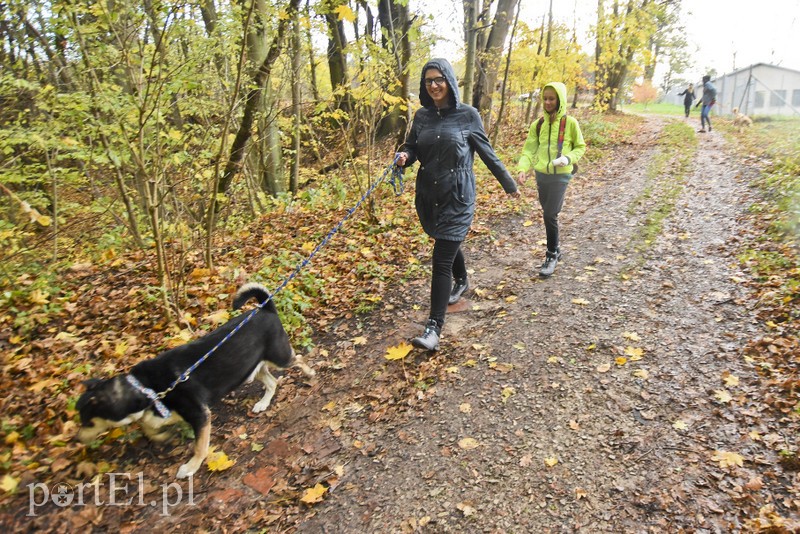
(561, 91)
(452, 84)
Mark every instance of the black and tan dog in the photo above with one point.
(260, 344)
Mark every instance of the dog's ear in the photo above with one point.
(91, 383)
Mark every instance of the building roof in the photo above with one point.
(754, 65)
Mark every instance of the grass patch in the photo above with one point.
(666, 174)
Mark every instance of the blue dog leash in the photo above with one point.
(398, 187)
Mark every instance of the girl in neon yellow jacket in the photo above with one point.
(553, 170)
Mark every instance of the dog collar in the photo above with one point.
(160, 407)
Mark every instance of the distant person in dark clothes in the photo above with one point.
(708, 100)
(444, 137)
(688, 98)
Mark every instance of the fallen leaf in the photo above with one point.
(526, 461)
(574, 425)
(399, 352)
(527, 223)
(729, 379)
(465, 407)
(635, 353)
(466, 509)
(580, 493)
(641, 373)
(603, 368)
(633, 336)
(468, 443)
(582, 302)
(727, 459)
(550, 462)
(218, 460)
(314, 495)
(621, 360)
(679, 425)
(360, 340)
(219, 317)
(507, 392)
(722, 396)
(9, 484)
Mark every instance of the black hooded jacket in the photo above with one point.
(445, 141)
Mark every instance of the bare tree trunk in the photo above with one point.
(470, 37)
(251, 103)
(296, 101)
(489, 61)
(394, 18)
(499, 122)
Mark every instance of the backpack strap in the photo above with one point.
(562, 127)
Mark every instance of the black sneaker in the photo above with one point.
(460, 285)
(429, 340)
(550, 261)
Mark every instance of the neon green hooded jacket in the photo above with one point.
(539, 152)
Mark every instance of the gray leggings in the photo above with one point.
(551, 198)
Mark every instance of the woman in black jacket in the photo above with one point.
(444, 137)
(688, 98)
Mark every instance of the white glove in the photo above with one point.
(563, 161)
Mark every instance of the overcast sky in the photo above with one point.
(766, 31)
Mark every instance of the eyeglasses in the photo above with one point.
(439, 80)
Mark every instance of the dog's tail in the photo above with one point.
(256, 291)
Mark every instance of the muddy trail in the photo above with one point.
(613, 397)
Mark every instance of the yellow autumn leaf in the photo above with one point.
(550, 462)
(592, 346)
(399, 352)
(37, 296)
(507, 392)
(582, 302)
(12, 437)
(452, 369)
(218, 460)
(722, 396)
(641, 373)
(635, 353)
(219, 317)
(552, 359)
(42, 384)
(527, 223)
(9, 484)
(308, 246)
(730, 380)
(360, 340)
(468, 443)
(679, 425)
(633, 336)
(465, 407)
(511, 298)
(121, 348)
(621, 360)
(344, 12)
(727, 459)
(314, 495)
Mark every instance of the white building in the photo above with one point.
(760, 89)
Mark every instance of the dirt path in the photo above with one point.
(538, 390)
(525, 421)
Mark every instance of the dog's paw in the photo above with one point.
(185, 471)
(262, 405)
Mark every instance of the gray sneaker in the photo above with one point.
(550, 261)
(459, 287)
(429, 340)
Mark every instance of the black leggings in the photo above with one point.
(551, 197)
(447, 263)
